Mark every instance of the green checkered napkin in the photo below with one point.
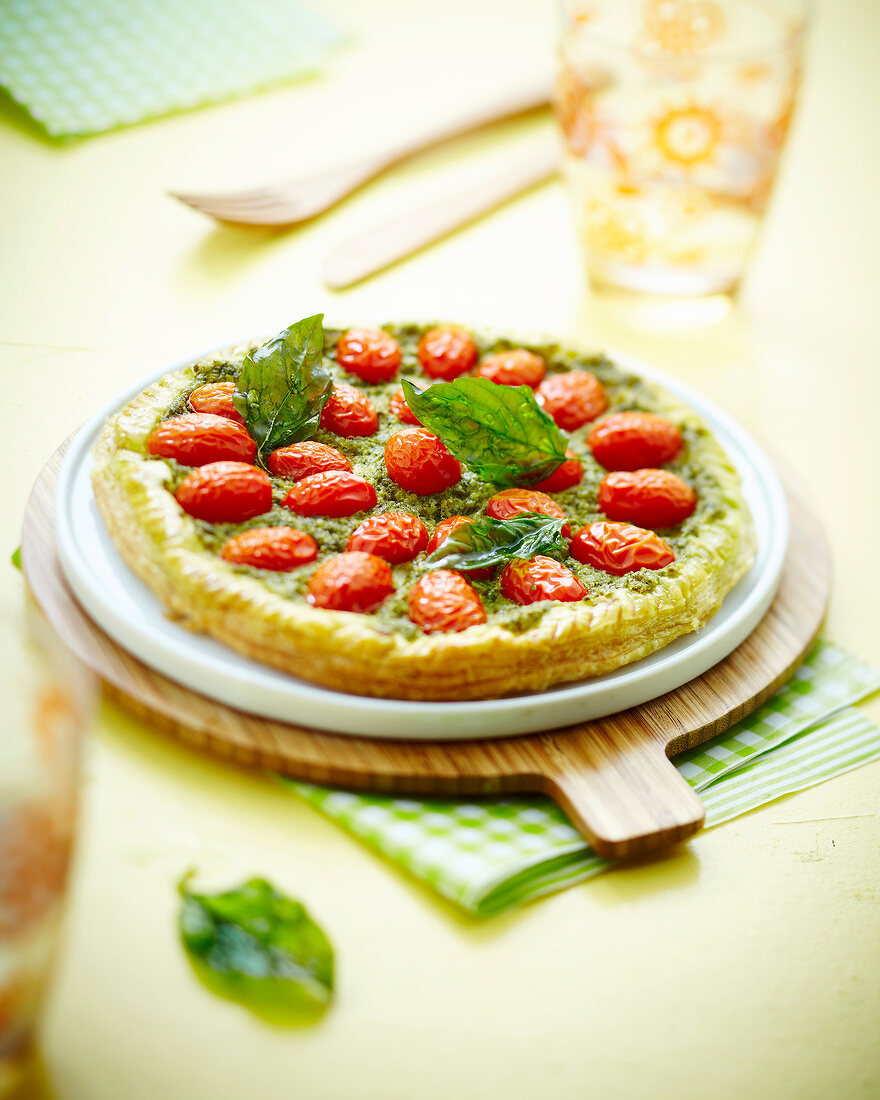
(488, 856)
(83, 66)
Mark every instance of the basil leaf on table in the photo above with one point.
(500, 432)
(284, 385)
(256, 946)
(489, 541)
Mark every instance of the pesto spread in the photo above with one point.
(625, 392)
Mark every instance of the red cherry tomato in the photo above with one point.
(620, 548)
(393, 536)
(333, 493)
(444, 529)
(301, 459)
(572, 399)
(196, 439)
(442, 532)
(517, 367)
(540, 578)
(278, 548)
(225, 492)
(513, 502)
(566, 476)
(634, 440)
(647, 498)
(349, 412)
(417, 461)
(443, 602)
(446, 352)
(354, 581)
(216, 398)
(369, 353)
(401, 410)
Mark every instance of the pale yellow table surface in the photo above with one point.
(746, 964)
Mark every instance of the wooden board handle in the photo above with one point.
(624, 796)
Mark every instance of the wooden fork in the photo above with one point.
(385, 243)
(295, 200)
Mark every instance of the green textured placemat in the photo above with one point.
(84, 66)
(490, 855)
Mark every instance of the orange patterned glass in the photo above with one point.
(674, 114)
(47, 703)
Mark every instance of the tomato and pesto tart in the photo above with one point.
(423, 511)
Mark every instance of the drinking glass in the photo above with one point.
(47, 703)
(674, 114)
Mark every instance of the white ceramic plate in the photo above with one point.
(130, 613)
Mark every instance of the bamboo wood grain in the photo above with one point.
(612, 776)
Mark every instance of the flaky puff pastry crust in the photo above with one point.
(347, 651)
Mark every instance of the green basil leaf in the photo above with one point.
(489, 541)
(500, 432)
(258, 947)
(284, 385)
(16, 557)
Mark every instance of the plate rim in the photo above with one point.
(364, 715)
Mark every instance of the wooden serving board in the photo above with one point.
(612, 777)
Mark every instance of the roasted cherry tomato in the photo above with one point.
(369, 353)
(401, 410)
(349, 412)
(417, 461)
(540, 578)
(225, 492)
(351, 582)
(301, 459)
(196, 439)
(442, 532)
(443, 602)
(333, 493)
(277, 548)
(563, 477)
(517, 367)
(634, 440)
(446, 352)
(573, 398)
(512, 502)
(648, 498)
(444, 529)
(620, 548)
(394, 536)
(216, 398)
